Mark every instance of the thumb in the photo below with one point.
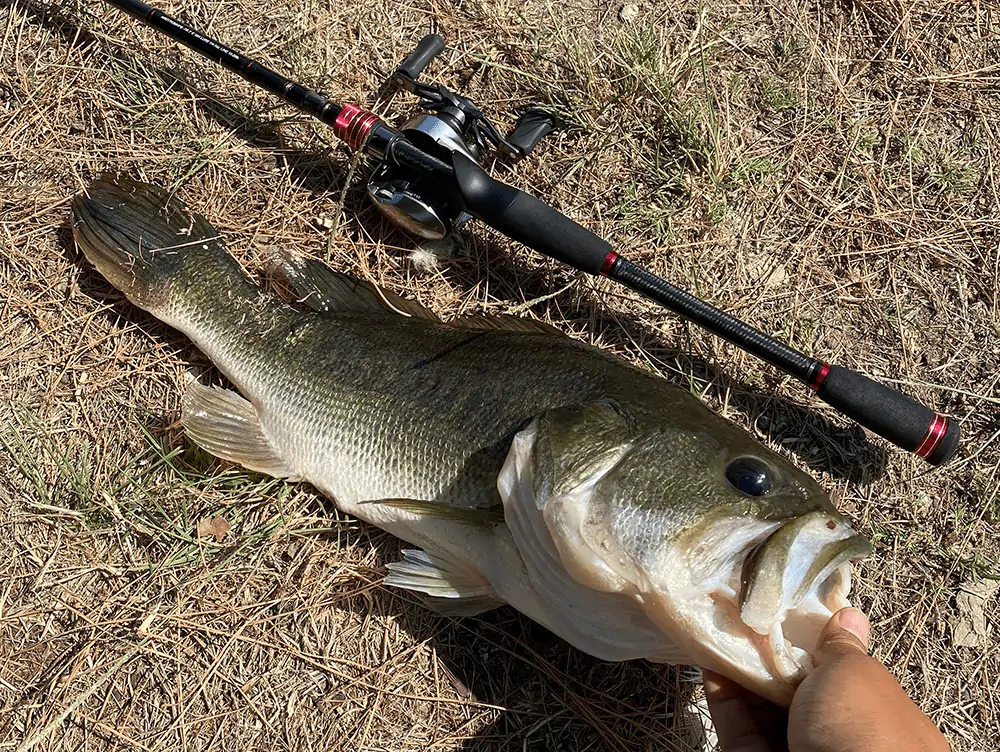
(846, 632)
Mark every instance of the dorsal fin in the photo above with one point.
(323, 289)
(503, 323)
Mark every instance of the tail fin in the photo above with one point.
(149, 246)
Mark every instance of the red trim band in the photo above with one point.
(932, 440)
(817, 382)
(353, 125)
(609, 261)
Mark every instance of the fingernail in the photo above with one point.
(855, 622)
(710, 681)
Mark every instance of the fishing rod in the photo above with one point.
(429, 181)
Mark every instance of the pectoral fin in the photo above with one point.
(224, 424)
(451, 588)
(472, 516)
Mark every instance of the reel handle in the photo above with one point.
(410, 69)
(532, 127)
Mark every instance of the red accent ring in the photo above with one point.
(932, 440)
(816, 383)
(609, 261)
(353, 125)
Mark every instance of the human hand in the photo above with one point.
(848, 703)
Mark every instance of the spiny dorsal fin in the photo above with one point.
(323, 289)
(503, 323)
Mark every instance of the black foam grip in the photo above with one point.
(426, 50)
(526, 219)
(891, 414)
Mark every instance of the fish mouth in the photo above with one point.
(772, 594)
(793, 582)
(740, 594)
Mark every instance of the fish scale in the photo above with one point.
(527, 467)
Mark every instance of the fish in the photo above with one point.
(522, 466)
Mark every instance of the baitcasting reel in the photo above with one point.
(452, 124)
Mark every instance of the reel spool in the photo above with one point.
(452, 124)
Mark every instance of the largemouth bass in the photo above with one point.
(524, 467)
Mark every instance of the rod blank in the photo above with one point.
(310, 102)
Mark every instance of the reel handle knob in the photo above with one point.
(532, 127)
(426, 50)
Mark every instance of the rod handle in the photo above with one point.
(524, 218)
(882, 409)
(890, 413)
(426, 50)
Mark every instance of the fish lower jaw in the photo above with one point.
(716, 639)
(785, 647)
(793, 636)
(771, 661)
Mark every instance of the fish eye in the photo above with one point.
(749, 475)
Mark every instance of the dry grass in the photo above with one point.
(827, 171)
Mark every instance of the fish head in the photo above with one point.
(736, 555)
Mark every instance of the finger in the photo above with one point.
(731, 715)
(854, 621)
(847, 632)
